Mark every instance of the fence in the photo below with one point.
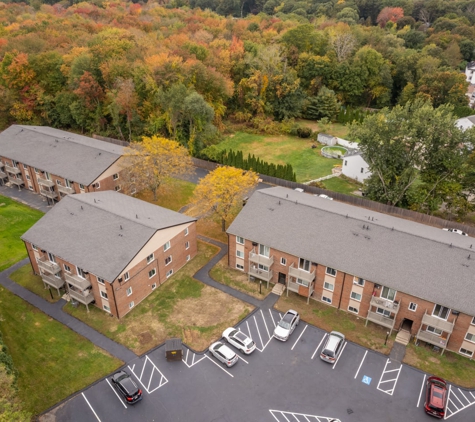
(111, 140)
(347, 144)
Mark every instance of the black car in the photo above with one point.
(126, 386)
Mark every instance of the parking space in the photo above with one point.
(191, 358)
(389, 377)
(149, 376)
(458, 400)
(260, 327)
(299, 417)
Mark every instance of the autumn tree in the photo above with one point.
(389, 14)
(148, 164)
(221, 192)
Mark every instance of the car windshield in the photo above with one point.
(233, 333)
(284, 324)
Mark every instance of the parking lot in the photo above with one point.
(280, 381)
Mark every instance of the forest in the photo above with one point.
(184, 69)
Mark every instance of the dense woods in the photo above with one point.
(127, 69)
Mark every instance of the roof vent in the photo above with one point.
(82, 207)
(136, 216)
(364, 226)
(450, 245)
(121, 226)
(94, 200)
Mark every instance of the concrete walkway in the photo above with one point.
(26, 197)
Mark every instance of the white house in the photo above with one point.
(470, 72)
(355, 167)
(466, 122)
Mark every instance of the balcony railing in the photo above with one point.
(385, 304)
(260, 259)
(86, 299)
(46, 265)
(49, 194)
(45, 182)
(302, 274)
(3, 174)
(76, 281)
(65, 189)
(293, 287)
(381, 319)
(438, 323)
(432, 339)
(53, 281)
(2, 164)
(12, 170)
(16, 181)
(261, 274)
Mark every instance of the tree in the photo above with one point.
(389, 14)
(410, 142)
(325, 104)
(221, 192)
(343, 43)
(151, 162)
(444, 87)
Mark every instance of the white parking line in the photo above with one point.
(272, 316)
(422, 388)
(303, 331)
(461, 392)
(248, 329)
(162, 377)
(361, 363)
(87, 401)
(306, 416)
(115, 392)
(319, 344)
(244, 360)
(193, 363)
(391, 390)
(219, 366)
(339, 356)
(262, 314)
(258, 332)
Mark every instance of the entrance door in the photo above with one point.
(407, 325)
(282, 277)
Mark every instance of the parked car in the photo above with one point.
(239, 340)
(325, 197)
(436, 397)
(332, 347)
(456, 231)
(223, 353)
(287, 325)
(126, 386)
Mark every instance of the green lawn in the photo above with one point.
(335, 129)
(341, 184)
(53, 362)
(24, 277)
(15, 219)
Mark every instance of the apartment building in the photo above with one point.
(55, 163)
(109, 249)
(393, 272)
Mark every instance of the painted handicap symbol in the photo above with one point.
(366, 380)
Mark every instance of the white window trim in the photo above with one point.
(106, 308)
(126, 276)
(187, 245)
(409, 306)
(129, 291)
(433, 332)
(115, 176)
(102, 295)
(150, 258)
(331, 275)
(473, 321)
(169, 262)
(470, 354)
(240, 267)
(154, 286)
(283, 261)
(154, 273)
(353, 312)
(81, 186)
(186, 231)
(131, 305)
(34, 247)
(67, 268)
(100, 280)
(117, 188)
(356, 281)
(169, 273)
(239, 252)
(354, 298)
(188, 257)
(166, 246)
(301, 282)
(470, 334)
(237, 240)
(329, 301)
(328, 288)
(435, 316)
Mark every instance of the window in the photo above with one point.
(473, 321)
(331, 271)
(35, 248)
(166, 246)
(441, 312)
(58, 182)
(126, 276)
(388, 293)
(117, 188)
(81, 186)
(187, 245)
(302, 282)
(27, 177)
(264, 250)
(304, 264)
(104, 295)
(240, 267)
(328, 286)
(263, 267)
(115, 176)
(100, 280)
(36, 170)
(188, 257)
(240, 254)
(361, 171)
(154, 286)
(169, 273)
(152, 273)
(470, 337)
(383, 312)
(67, 268)
(97, 185)
(168, 259)
(353, 309)
(240, 240)
(326, 299)
(359, 281)
(466, 352)
(51, 257)
(150, 258)
(81, 272)
(412, 306)
(129, 291)
(131, 305)
(186, 231)
(434, 330)
(106, 308)
(346, 162)
(356, 296)
(283, 261)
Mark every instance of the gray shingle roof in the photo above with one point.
(420, 260)
(74, 157)
(85, 230)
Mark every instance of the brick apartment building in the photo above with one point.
(393, 272)
(55, 163)
(109, 249)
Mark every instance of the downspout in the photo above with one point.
(115, 301)
(341, 291)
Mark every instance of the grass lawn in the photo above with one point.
(24, 277)
(172, 195)
(181, 307)
(335, 129)
(15, 219)
(238, 280)
(52, 361)
(341, 184)
(450, 366)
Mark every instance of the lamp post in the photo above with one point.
(386, 340)
(260, 287)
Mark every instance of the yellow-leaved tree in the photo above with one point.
(221, 192)
(149, 163)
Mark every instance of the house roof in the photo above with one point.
(410, 257)
(74, 157)
(101, 232)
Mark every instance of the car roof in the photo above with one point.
(333, 340)
(226, 351)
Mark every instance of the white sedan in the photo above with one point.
(239, 340)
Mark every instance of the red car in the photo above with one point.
(436, 397)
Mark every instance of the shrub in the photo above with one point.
(304, 132)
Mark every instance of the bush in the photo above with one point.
(304, 132)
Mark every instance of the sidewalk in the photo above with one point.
(26, 197)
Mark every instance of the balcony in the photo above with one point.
(65, 189)
(15, 181)
(48, 266)
(438, 323)
(3, 175)
(12, 170)
(261, 274)
(432, 339)
(76, 281)
(45, 182)
(2, 164)
(260, 259)
(86, 299)
(53, 281)
(49, 194)
(302, 274)
(293, 287)
(385, 304)
(385, 321)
